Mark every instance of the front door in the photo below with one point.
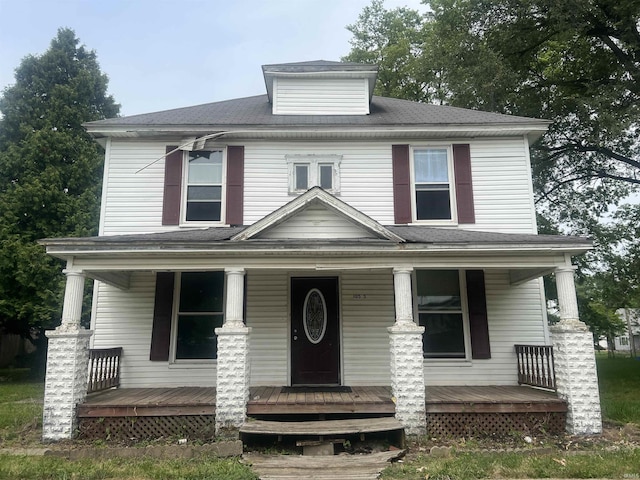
(315, 345)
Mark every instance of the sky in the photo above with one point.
(163, 54)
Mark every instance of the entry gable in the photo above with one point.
(317, 214)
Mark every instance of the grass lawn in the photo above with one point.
(20, 407)
(619, 380)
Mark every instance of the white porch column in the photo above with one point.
(67, 365)
(232, 372)
(575, 364)
(407, 371)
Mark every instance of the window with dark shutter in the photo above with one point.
(235, 185)
(464, 184)
(478, 320)
(162, 313)
(401, 184)
(172, 186)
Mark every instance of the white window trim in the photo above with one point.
(452, 186)
(466, 329)
(173, 346)
(185, 184)
(313, 161)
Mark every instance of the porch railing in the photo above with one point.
(535, 366)
(104, 368)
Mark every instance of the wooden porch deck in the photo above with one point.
(149, 402)
(271, 400)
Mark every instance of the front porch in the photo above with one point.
(136, 413)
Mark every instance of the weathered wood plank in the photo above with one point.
(328, 427)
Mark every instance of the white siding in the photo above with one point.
(134, 199)
(502, 193)
(367, 312)
(124, 319)
(268, 317)
(365, 176)
(501, 186)
(320, 96)
(316, 221)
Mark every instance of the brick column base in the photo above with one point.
(232, 379)
(407, 376)
(66, 381)
(576, 376)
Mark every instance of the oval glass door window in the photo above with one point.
(315, 316)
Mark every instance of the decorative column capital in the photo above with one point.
(234, 271)
(402, 270)
(71, 273)
(566, 269)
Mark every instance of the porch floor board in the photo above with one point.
(150, 402)
(273, 401)
(492, 399)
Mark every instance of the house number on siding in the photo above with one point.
(315, 316)
(359, 296)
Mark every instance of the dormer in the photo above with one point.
(320, 87)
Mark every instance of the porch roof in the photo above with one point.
(417, 236)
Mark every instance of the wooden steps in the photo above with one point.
(324, 428)
(330, 467)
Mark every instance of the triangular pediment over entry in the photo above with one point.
(315, 215)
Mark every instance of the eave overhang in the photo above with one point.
(258, 132)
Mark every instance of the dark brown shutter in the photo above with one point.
(464, 185)
(162, 311)
(401, 184)
(235, 185)
(172, 187)
(478, 321)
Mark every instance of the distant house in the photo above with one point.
(318, 238)
(631, 337)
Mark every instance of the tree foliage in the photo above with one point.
(50, 174)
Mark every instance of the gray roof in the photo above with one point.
(320, 66)
(435, 235)
(411, 234)
(256, 112)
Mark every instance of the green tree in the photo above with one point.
(50, 174)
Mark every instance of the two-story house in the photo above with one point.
(319, 249)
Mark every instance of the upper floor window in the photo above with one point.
(432, 183)
(199, 312)
(440, 311)
(306, 171)
(204, 186)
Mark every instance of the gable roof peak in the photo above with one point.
(316, 195)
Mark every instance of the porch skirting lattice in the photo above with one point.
(494, 424)
(201, 427)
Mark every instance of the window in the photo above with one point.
(439, 305)
(204, 186)
(306, 171)
(199, 313)
(432, 184)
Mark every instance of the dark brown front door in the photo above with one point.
(315, 345)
